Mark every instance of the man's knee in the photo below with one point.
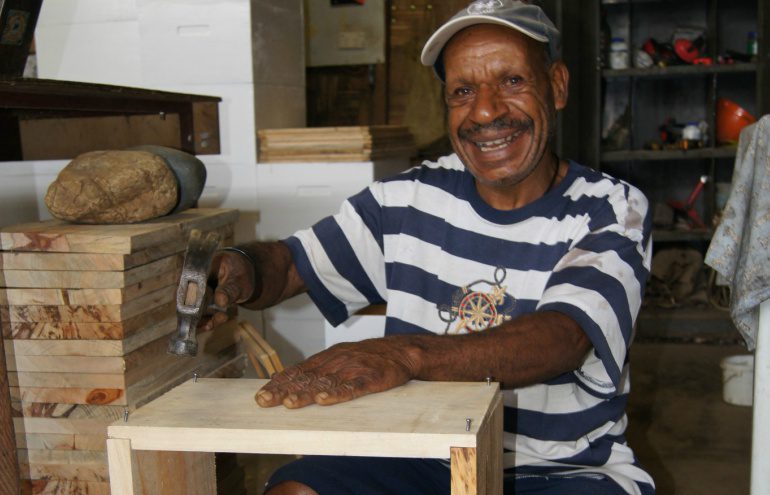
(291, 488)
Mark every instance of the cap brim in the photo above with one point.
(440, 38)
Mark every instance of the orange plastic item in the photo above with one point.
(731, 119)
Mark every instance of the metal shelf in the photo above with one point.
(658, 155)
(680, 70)
(670, 235)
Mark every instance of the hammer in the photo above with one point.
(193, 294)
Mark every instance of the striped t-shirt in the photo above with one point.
(445, 262)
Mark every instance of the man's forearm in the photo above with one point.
(275, 276)
(528, 350)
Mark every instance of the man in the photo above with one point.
(500, 261)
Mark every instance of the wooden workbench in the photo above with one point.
(167, 447)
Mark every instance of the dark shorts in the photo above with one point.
(331, 475)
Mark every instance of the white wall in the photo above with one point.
(249, 53)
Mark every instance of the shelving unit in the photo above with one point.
(686, 93)
(683, 92)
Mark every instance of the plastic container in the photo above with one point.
(738, 379)
(618, 53)
(731, 119)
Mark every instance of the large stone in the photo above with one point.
(113, 187)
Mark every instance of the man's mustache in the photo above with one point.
(500, 123)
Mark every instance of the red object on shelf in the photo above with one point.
(731, 119)
(688, 50)
(687, 209)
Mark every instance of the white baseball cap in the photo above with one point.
(515, 14)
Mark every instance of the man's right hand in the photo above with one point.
(232, 277)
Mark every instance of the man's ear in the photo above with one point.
(559, 83)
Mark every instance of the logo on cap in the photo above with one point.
(484, 6)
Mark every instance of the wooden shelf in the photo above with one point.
(44, 119)
(656, 155)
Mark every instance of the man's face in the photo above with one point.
(502, 102)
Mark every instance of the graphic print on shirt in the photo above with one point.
(478, 305)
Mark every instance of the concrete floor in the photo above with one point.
(685, 435)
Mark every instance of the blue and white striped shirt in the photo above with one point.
(444, 261)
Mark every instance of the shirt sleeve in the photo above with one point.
(600, 283)
(341, 260)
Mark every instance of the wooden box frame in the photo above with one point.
(167, 447)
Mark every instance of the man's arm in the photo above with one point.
(263, 277)
(528, 350)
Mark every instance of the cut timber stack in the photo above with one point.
(335, 144)
(87, 312)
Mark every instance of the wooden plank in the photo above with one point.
(91, 331)
(29, 379)
(419, 419)
(159, 473)
(9, 471)
(479, 471)
(44, 456)
(57, 138)
(64, 487)
(90, 313)
(206, 140)
(134, 365)
(59, 236)
(61, 441)
(464, 468)
(85, 472)
(74, 279)
(69, 411)
(85, 297)
(131, 391)
(62, 425)
(30, 260)
(92, 347)
(123, 468)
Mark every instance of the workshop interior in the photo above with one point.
(141, 136)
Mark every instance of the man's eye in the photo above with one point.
(513, 81)
(460, 92)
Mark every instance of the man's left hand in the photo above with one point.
(340, 373)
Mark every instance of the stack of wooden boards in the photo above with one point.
(336, 144)
(87, 313)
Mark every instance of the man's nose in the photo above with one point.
(487, 105)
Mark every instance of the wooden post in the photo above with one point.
(148, 472)
(479, 471)
(9, 466)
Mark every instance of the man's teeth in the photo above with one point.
(494, 145)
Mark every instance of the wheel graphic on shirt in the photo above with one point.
(474, 309)
(477, 311)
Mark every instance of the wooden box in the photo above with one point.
(167, 446)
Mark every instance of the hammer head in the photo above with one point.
(192, 294)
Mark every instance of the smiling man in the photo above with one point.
(500, 260)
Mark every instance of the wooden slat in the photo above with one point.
(90, 313)
(59, 236)
(30, 260)
(64, 487)
(85, 297)
(61, 441)
(135, 365)
(9, 471)
(92, 347)
(74, 279)
(95, 331)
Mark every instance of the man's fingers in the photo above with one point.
(266, 398)
(344, 392)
